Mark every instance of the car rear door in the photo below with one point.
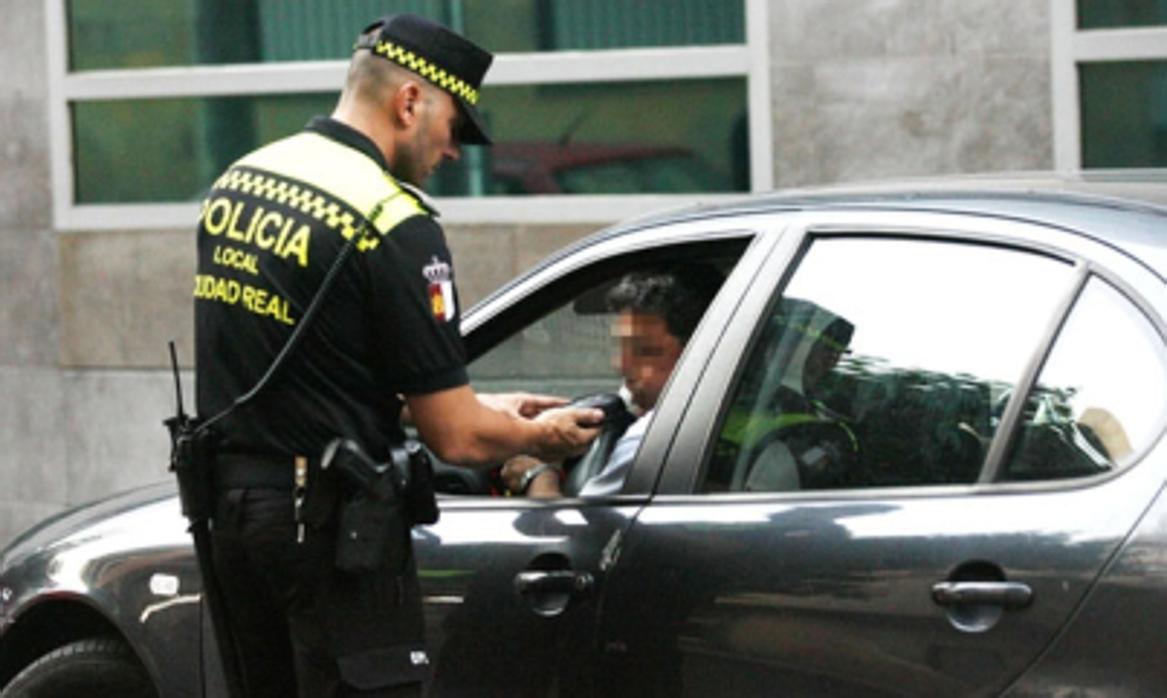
(987, 481)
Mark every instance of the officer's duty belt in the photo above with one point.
(234, 470)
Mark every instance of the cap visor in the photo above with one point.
(473, 131)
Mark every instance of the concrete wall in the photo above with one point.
(861, 89)
(31, 428)
(865, 89)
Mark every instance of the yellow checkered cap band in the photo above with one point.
(427, 69)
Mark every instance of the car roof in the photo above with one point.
(1127, 210)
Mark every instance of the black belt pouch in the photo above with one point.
(373, 534)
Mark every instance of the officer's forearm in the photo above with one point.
(460, 429)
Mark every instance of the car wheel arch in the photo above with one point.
(53, 624)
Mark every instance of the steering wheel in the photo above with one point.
(617, 419)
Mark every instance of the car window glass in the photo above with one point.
(880, 364)
(1098, 401)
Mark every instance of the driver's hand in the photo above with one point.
(522, 405)
(542, 479)
(513, 469)
(570, 431)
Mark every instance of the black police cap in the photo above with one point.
(439, 55)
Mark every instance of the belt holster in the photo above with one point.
(374, 504)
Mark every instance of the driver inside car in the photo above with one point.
(658, 311)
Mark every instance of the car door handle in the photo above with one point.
(1003, 594)
(553, 581)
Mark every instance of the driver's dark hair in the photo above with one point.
(678, 293)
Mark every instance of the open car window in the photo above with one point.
(567, 352)
(558, 339)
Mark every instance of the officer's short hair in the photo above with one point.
(678, 293)
(370, 77)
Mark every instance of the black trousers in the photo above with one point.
(300, 625)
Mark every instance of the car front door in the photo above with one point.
(511, 585)
(924, 518)
(510, 594)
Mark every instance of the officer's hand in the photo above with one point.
(569, 431)
(522, 405)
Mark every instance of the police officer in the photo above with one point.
(386, 339)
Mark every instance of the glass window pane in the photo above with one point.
(686, 136)
(132, 34)
(160, 150)
(1124, 114)
(681, 136)
(559, 25)
(1088, 415)
(880, 365)
(109, 34)
(1106, 14)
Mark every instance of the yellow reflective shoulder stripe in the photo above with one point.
(339, 171)
(398, 207)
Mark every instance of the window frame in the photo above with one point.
(750, 60)
(1072, 47)
(532, 296)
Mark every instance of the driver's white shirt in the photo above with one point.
(610, 479)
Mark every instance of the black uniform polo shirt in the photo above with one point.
(270, 228)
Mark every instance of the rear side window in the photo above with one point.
(1100, 398)
(884, 363)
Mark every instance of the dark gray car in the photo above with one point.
(914, 448)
